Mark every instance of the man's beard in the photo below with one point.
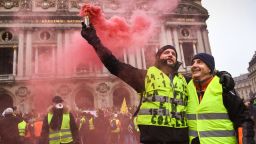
(164, 62)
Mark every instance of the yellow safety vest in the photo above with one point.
(22, 128)
(164, 101)
(64, 135)
(136, 124)
(82, 122)
(91, 123)
(117, 125)
(209, 119)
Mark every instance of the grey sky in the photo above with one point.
(232, 33)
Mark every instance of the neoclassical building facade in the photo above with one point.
(34, 34)
(246, 83)
(252, 73)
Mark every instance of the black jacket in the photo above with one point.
(9, 132)
(135, 78)
(239, 115)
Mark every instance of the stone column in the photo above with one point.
(169, 36)
(194, 47)
(143, 59)
(53, 57)
(176, 44)
(138, 58)
(131, 57)
(28, 53)
(200, 47)
(125, 56)
(66, 62)
(163, 36)
(206, 41)
(182, 55)
(14, 60)
(60, 58)
(36, 60)
(21, 54)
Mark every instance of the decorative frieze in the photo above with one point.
(62, 5)
(188, 8)
(25, 5)
(8, 4)
(74, 4)
(45, 4)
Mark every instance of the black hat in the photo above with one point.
(207, 59)
(162, 49)
(57, 99)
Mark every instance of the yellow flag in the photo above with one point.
(124, 109)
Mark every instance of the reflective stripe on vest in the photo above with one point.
(22, 128)
(216, 133)
(164, 100)
(208, 116)
(162, 112)
(209, 119)
(64, 135)
(156, 98)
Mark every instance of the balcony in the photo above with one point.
(7, 78)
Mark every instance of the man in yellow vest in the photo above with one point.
(162, 115)
(59, 126)
(215, 114)
(87, 128)
(115, 129)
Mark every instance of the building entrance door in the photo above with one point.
(5, 101)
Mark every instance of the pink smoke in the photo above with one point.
(116, 33)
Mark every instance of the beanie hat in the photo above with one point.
(207, 59)
(162, 49)
(57, 99)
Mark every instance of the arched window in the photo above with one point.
(118, 96)
(84, 100)
(5, 101)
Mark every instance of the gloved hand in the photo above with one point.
(226, 80)
(89, 33)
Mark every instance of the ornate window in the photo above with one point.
(84, 100)
(119, 95)
(45, 35)
(7, 36)
(188, 52)
(6, 60)
(185, 32)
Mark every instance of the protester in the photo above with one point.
(59, 125)
(9, 132)
(162, 115)
(215, 115)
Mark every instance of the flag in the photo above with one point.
(124, 109)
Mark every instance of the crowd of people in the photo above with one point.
(108, 126)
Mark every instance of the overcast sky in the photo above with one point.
(232, 33)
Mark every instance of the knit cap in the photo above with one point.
(162, 49)
(207, 59)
